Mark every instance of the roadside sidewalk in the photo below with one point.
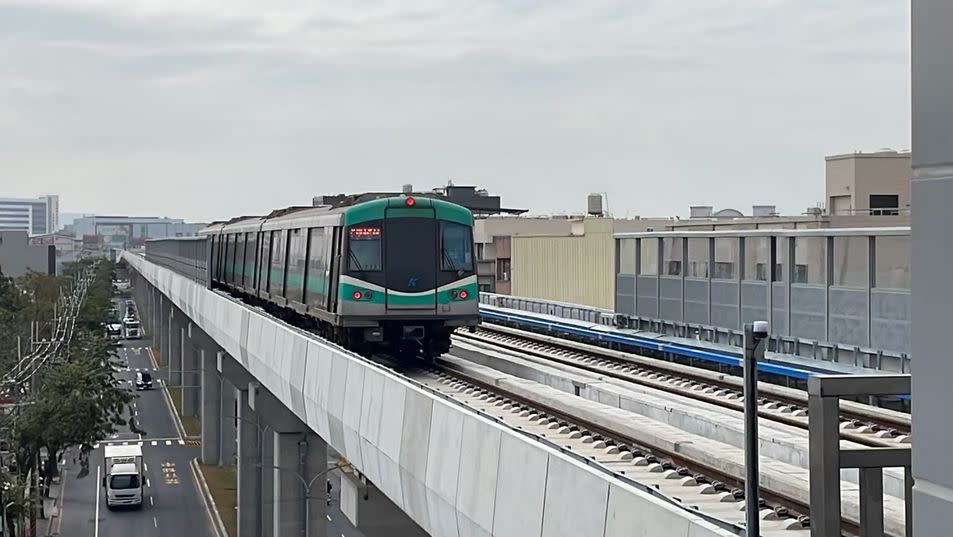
(50, 525)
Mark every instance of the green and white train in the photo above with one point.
(394, 274)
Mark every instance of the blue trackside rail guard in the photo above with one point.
(652, 344)
(646, 343)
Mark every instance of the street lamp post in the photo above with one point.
(755, 341)
(307, 491)
(260, 457)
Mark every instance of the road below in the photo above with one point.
(171, 503)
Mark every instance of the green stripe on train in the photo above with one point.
(374, 210)
(346, 291)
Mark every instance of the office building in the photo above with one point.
(36, 216)
(868, 183)
(129, 231)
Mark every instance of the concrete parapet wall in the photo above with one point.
(454, 472)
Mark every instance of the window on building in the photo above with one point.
(485, 288)
(648, 249)
(479, 251)
(884, 204)
(503, 270)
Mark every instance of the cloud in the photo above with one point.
(660, 104)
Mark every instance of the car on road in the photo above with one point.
(143, 380)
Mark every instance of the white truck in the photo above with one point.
(130, 328)
(122, 476)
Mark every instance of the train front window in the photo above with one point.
(364, 248)
(456, 247)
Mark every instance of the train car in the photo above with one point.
(393, 273)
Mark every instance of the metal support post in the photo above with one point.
(824, 464)
(871, 502)
(755, 338)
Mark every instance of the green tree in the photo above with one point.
(13, 324)
(42, 292)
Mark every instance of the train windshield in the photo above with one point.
(456, 247)
(364, 248)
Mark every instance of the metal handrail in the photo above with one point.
(826, 457)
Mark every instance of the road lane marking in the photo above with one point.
(329, 517)
(156, 523)
(155, 443)
(145, 466)
(148, 483)
(181, 442)
(151, 501)
(96, 483)
(169, 474)
(168, 442)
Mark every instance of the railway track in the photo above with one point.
(862, 424)
(694, 486)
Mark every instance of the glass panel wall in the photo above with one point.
(649, 263)
(892, 262)
(626, 256)
(850, 262)
(672, 256)
(757, 258)
(810, 260)
(698, 258)
(726, 258)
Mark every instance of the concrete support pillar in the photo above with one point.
(931, 256)
(315, 472)
(171, 353)
(372, 513)
(249, 470)
(161, 339)
(229, 428)
(212, 415)
(289, 492)
(188, 365)
(267, 473)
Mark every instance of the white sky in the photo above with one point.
(206, 110)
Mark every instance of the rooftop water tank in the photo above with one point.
(594, 204)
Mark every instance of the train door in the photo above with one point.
(333, 267)
(410, 258)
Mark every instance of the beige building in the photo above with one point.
(875, 183)
(578, 267)
(551, 257)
